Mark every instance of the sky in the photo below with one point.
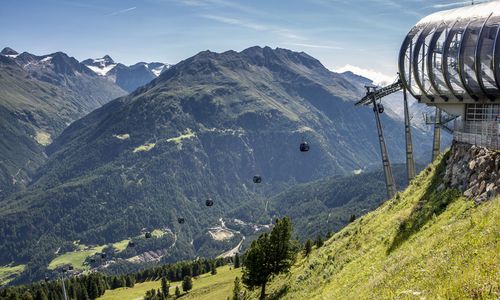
(362, 36)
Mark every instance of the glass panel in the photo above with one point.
(420, 58)
(453, 47)
(405, 60)
(436, 63)
(469, 56)
(486, 55)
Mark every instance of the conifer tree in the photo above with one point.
(177, 292)
(213, 268)
(164, 287)
(187, 284)
(269, 255)
(236, 261)
(308, 247)
(319, 241)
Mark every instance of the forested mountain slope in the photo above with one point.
(201, 130)
(39, 97)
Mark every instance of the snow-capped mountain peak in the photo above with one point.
(9, 52)
(100, 66)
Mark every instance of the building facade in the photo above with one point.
(451, 60)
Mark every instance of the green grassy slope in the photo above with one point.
(424, 243)
(9, 272)
(207, 287)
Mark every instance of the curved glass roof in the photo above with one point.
(454, 55)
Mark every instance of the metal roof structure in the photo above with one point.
(453, 56)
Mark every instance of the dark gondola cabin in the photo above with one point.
(304, 147)
(131, 244)
(103, 255)
(180, 220)
(257, 179)
(147, 235)
(379, 107)
(209, 202)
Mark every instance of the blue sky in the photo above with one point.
(363, 35)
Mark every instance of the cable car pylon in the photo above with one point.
(410, 162)
(436, 144)
(372, 95)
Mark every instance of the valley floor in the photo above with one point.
(206, 287)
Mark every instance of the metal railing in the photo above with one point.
(480, 133)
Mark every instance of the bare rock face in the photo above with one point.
(474, 170)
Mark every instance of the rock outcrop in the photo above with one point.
(473, 170)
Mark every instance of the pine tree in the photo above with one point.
(187, 284)
(27, 296)
(213, 268)
(177, 292)
(269, 255)
(236, 261)
(129, 281)
(352, 218)
(94, 290)
(164, 287)
(319, 241)
(41, 295)
(238, 292)
(308, 247)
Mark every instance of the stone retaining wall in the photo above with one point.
(473, 170)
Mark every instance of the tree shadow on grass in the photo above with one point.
(278, 294)
(431, 204)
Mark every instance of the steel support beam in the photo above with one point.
(410, 163)
(436, 145)
(389, 179)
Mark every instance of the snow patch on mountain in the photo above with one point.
(101, 71)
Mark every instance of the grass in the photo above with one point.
(206, 287)
(9, 272)
(158, 233)
(77, 258)
(74, 258)
(189, 134)
(423, 243)
(144, 148)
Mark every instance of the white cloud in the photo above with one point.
(378, 78)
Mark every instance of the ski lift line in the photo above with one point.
(380, 93)
(372, 95)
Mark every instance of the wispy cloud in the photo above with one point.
(257, 26)
(454, 4)
(238, 22)
(121, 11)
(317, 46)
(221, 4)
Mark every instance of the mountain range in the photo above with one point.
(201, 130)
(42, 95)
(127, 77)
